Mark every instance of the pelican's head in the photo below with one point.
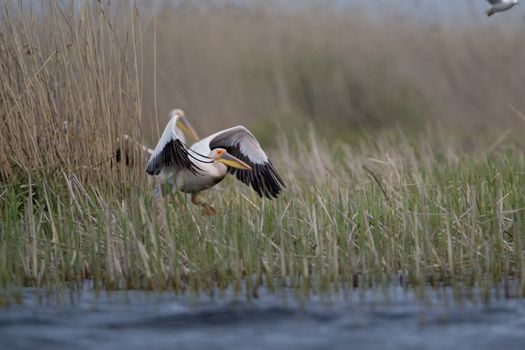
(221, 155)
(183, 123)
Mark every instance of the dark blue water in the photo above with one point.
(141, 320)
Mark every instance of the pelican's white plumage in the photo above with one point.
(500, 6)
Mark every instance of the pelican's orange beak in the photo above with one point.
(233, 162)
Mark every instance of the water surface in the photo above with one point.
(139, 320)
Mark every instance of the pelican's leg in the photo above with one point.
(207, 209)
(169, 189)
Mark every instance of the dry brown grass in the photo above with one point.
(227, 65)
(74, 79)
(68, 88)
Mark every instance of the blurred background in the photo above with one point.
(346, 65)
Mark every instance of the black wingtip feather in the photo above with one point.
(263, 178)
(173, 154)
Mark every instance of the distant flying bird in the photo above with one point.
(208, 161)
(500, 6)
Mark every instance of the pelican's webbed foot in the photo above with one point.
(207, 209)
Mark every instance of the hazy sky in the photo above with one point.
(448, 11)
(460, 12)
(442, 10)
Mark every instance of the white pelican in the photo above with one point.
(206, 162)
(500, 6)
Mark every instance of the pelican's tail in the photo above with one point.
(490, 12)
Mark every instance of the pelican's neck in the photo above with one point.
(203, 158)
(221, 169)
(209, 167)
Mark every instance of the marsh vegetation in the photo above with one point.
(395, 168)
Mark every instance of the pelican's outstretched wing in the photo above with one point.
(241, 143)
(170, 151)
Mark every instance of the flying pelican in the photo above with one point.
(206, 163)
(500, 6)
